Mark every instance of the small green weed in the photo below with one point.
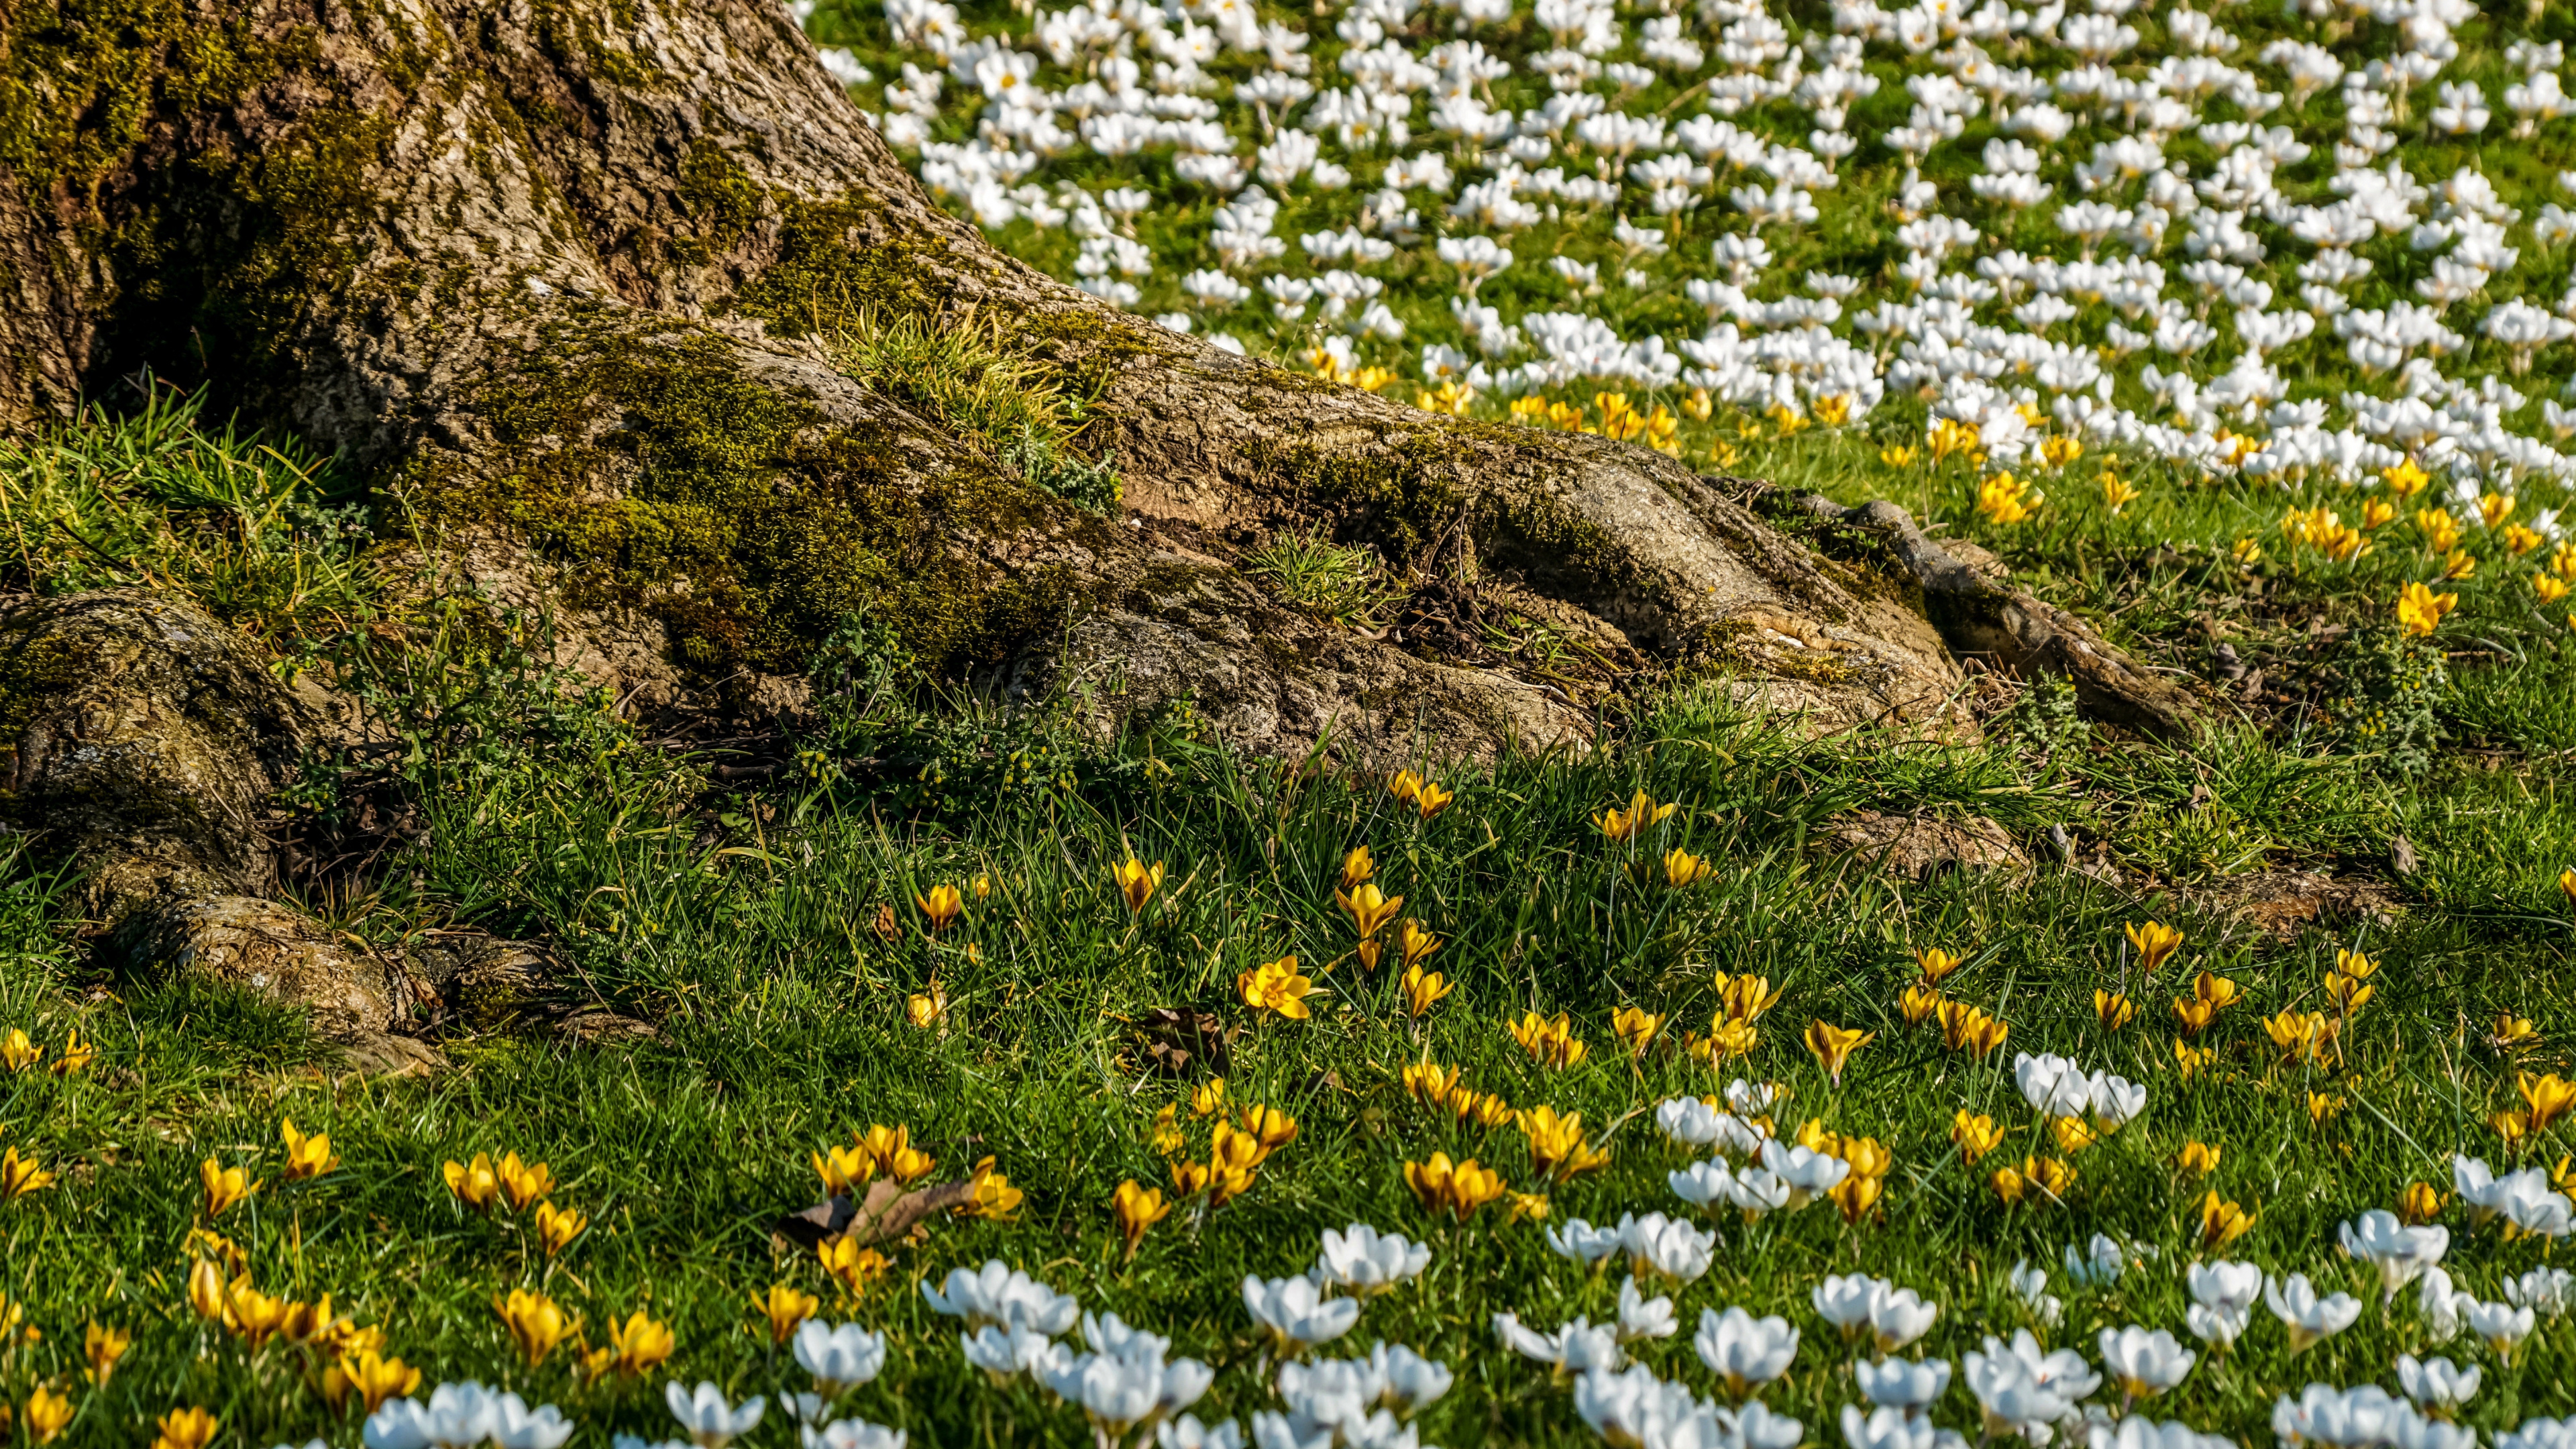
(1016, 409)
(1333, 581)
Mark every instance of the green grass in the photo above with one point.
(743, 928)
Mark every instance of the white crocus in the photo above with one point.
(2307, 1316)
(2338, 1418)
(2398, 1252)
(1574, 1348)
(2223, 1296)
(1844, 1302)
(1005, 1352)
(1671, 1247)
(707, 1418)
(2030, 1285)
(2547, 1291)
(1295, 1313)
(1744, 1350)
(2053, 1085)
(1885, 1428)
(999, 1293)
(1368, 1262)
(2443, 1307)
(839, 1356)
(1898, 1316)
(1411, 1380)
(1643, 1317)
(2144, 1363)
(1582, 1242)
(1908, 1384)
(2437, 1384)
(2503, 1325)
(859, 1434)
(1808, 1174)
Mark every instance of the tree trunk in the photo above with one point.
(555, 271)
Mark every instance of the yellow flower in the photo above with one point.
(2246, 552)
(557, 1227)
(1897, 456)
(2221, 1222)
(894, 1153)
(521, 1183)
(1856, 1194)
(371, 1376)
(1946, 436)
(102, 1347)
(1432, 800)
(1276, 986)
(2006, 500)
(850, 1265)
(1936, 963)
(1729, 1038)
(306, 1156)
(844, 1170)
(2300, 1035)
(1681, 868)
(1745, 997)
(224, 1186)
(2117, 494)
(784, 1307)
(2190, 1060)
(926, 1009)
(2378, 513)
(1919, 1003)
(2512, 1033)
(1456, 1189)
(1208, 1097)
(2549, 587)
(2511, 1126)
(1137, 1208)
(1975, 1133)
(209, 1296)
(2200, 1157)
(255, 1315)
(640, 1345)
(2458, 564)
(2194, 1013)
(1414, 945)
(2113, 1010)
(474, 1185)
(2049, 1177)
(944, 903)
(1269, 1126)
(2349, 993)
(2548, 1097)
(2154, 942)
(1625, 824)
(17, 1052)
(2520, 540)
(2441, 531)
(2071, 1134)
(2354, 964)
(2057, 450)
(1636, 1028)
(1430, 1084)
(536, 1323)
(1556, 1144)
(1137, 882)
(1549, 1043)
(188, 1428)
(20, 1176)
(2406, 479)
(2323, 1108)
(1423, 989)
(2218, 991)
(1530, 1205)
(1369, 908)
(2495, 508)
(1965, 1028)
(995, 1199)
(2419, 1203)
(48, 1414)
(1832, 1046)
(1358, 866)
(1168, 1137)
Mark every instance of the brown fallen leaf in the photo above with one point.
(886, 1212)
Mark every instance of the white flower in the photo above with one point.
(2145, 1364)
(1671, 1247)
(2054, 1086)
(841, 1356)
(2540, 1434)
(1911, 1385)
(2437, 1383)
(2101, 1263)
(998, 1293)
(1693, 1122)
(1295, 1313)
(1807, 1173)
(1633, 1407)
(2031, 1286)
(1411, 1380)
(1583, 1242)
(705, 1416)
(1844, 1302)
(456, 1415)
(2022, 1389)
(853, 1434)
(2341, 1418)
(1885, 1428)
(2139, 1432)
(1574, 1348)
(2502, 1325)
(1899, 1316)
(2400, 1253)
(1118, 1391)
(1186, 1432)
(1643, 1317)
(1743, 1349)
(1018, 1349)
(2444, 1308)
(2309, 1318)
(2546, 1290)
(2117, 1101)
(1362, 1259)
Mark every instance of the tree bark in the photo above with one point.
(553, 271)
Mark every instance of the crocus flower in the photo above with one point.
(1670, 1247)
(1294, 1312)
(224, 1186)
(1137, 1209)
(2308, 1317)
(1574, 1348)
(2400, 1253)
(1908, 1385)
(2144, 1363)
(1744, 1350)
(943, 905)
(999, 1293)
(2154, 942)
(1368, 1262)
(784, 1307)
(1643, 1317)
(1832, 1046)
(1136, 882)
(707, 1418)
(20, 1176)
(2437, 1385)
(536, 1323)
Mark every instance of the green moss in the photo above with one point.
(34, 672)
(1389, 494)
(736, 513)
(721, 197)
(831, 270)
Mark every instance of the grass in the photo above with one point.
(746, 928)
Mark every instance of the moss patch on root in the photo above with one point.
(748, 522)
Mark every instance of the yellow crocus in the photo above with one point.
(1975, 1133)
(943, 904)
(2222, 1222)
(2113, 1010)
(224, 1186)
(1457, 1189)
(185, 1428)
(2154, 942)
(306, 1157)
(100, 1348)
(536, 1323)
(1137, 882)
(2200, 1157)
(1423, 989)
(1136, 1209)
(473, 1184)
(20, 1176)
(557, 1227)
(1277, 986)
(1832, 1046)
(1550, 1043)
(784, 1307)
(523, 1183)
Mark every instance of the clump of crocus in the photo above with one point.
(1277, 987)
(1625, 825)
(1457, 1189)
(2155, 943)
(1550, 1042)
(1556, 1147)
(536, 1323)
(1136, 1209)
